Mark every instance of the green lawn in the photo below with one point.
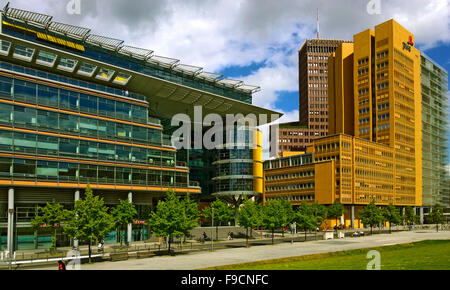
(425, 255)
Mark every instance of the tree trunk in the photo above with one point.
(90, 242)
(437, 227)
(390, 231)
(217, 232)
(371, 229)
(246, 242)
(169, 243)
(273, 232)
(305, 234)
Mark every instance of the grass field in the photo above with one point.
(425, 255)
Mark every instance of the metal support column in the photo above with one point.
(352, 216)
(129, 226)
(10, 234)
(77, 197)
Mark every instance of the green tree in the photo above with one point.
(222, 214)
(276, 214)
(250, 216)
(173, 217)
(335, 211)
(371, 215)
(320, 212)
(436, 216)
(191, 215)
(123, 214)
(305, 217)
(391, 215)
(52, 215)
(89, 220)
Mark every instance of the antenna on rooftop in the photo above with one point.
(318, 28)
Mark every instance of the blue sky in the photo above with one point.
(252, 40)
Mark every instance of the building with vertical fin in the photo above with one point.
(313, 97)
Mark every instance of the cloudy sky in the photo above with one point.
(253, 40)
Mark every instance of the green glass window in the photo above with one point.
(68, 147)
(24, 168)
(5, 166)
(107, 107)
(6, 114)
(47, 170)
(139, 176)
(123, 175)
(123, 131)
(68, 122)
(24, 116)
(88, 126)
(154, 136)
(47, 119)
(154, 177)
(154, 157)
(47, 96)
(168, 178)
(47, 145)
(123, 111)
(6, 87)
(68, 171)
(123, 153)
(139, 133)
(88, 149)
(25, 143)
(46, 58)
(106, 129)
(25, 91)
(6, 140)
(139, 155)
(88, 104)
(68, 100)
(168, 158)
(106, 151)
(105, 174)
(139, 114)
(88, 173)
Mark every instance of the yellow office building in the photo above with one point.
(374, 151)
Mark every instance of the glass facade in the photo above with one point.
(127, 62)
(435, 130)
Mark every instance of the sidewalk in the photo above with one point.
(200, 260)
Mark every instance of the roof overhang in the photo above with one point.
(165, 98)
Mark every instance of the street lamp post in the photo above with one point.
(212, 228)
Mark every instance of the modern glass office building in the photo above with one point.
(435, 130)
(78, 109)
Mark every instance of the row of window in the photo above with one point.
(364, 131)
(364, 121)
(63, 171)
(74, 148)
(383, 106)
(383, 116)
(383, 86)
(71, 81)
(363, 91)
(33, 93)
(291, 197)
(290, 175)
(19, 116)
(290, 187)
(364, 111)
(228, 169)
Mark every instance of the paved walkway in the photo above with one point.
(259, 253)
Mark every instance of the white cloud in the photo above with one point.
(222, 33)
